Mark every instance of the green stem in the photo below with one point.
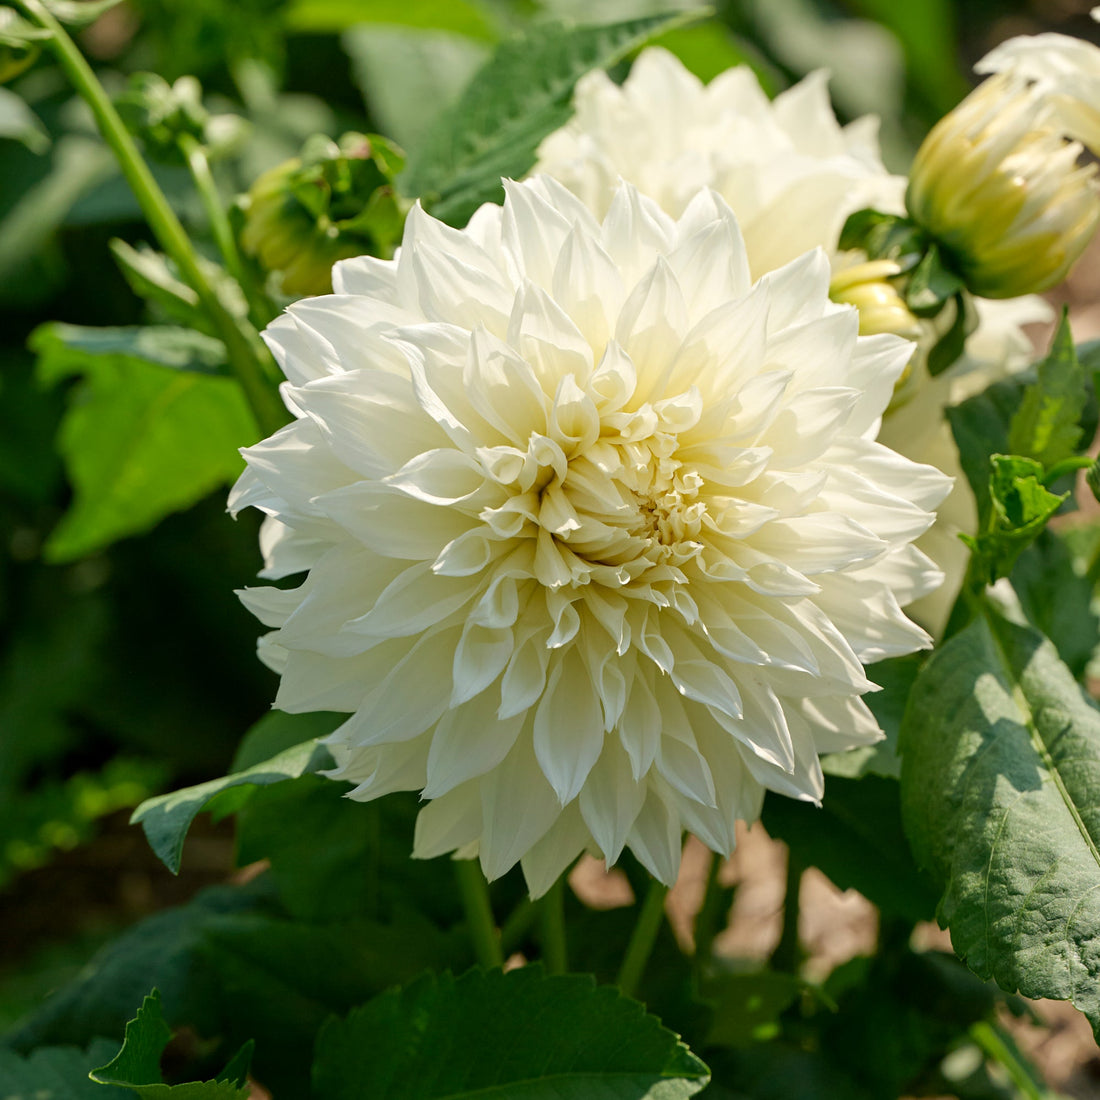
(709, 915)
(517, 924)
(1067, 466)
(992, 1043)
(642, 938)
(785, 957)
(203, 178)
(260, 312)
(249, 362)
(555, 953)
(479, 912)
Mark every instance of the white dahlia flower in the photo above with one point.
(1066, 72)
(598, 537)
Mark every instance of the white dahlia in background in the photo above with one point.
(598, 537)
(1066, 72)
(791, 175)
(789, 171)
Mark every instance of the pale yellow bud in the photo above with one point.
(1000, 189)
(881, 307)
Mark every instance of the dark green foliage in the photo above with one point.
(1047, 425)
(56, 1073)
(521, 1034)
(520, 96)
(856, 839)
(137, 1065)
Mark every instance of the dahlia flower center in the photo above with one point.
(625, 505)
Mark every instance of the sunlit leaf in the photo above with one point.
(1001, 801)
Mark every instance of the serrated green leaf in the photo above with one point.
(522, 1035)
(519, 96)
(1047, 425)
(139, 441)
(167, 817)
(328, 16)
(136, 1067)
(138, 1062)
(1001, 801)
(55, 1073)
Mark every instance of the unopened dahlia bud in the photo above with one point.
(998, 186)
(881, 308)
(335, 201)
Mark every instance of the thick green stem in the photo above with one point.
(993, 1044)
(479, 912)
(555, 952)
(786, 956)
(247, 359)
(643, 938)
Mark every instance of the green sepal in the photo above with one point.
(950, 345)
(931, 285)
(884, 237)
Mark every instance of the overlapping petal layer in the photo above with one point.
(598, 536)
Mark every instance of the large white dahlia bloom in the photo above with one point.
(598, 537)
(792, 175)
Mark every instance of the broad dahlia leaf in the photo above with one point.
(521, 1034)
(167, 817)
(1001, 801)
(139, 441)
(512, 103)
(57, 1073)
(136, 1067)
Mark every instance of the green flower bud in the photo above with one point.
(163, 114)
(335, 201)
(999, 188)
